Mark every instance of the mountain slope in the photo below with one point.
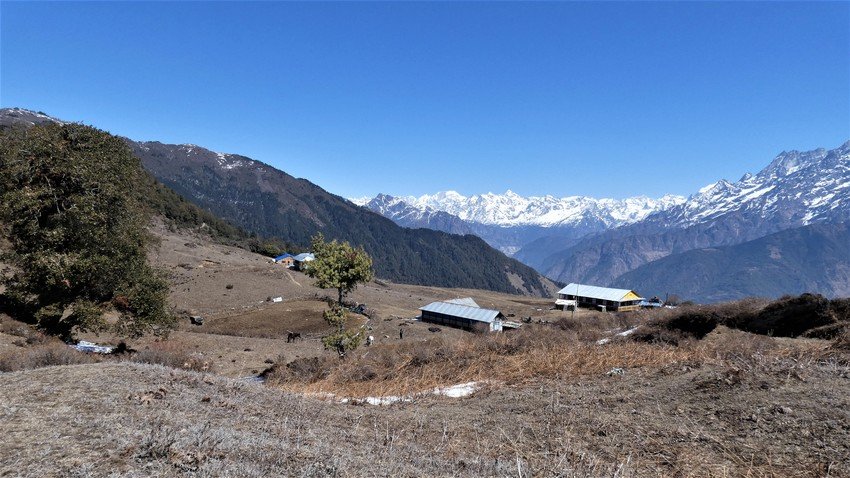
(796, 189)
(265, 201)
(160, 199)
(813, 258)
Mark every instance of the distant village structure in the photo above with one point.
(286, 260)
(465, 314)
(298, 262)
(302, 260)
(601, 298)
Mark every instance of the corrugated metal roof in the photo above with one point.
(596, 292)
(465, 301)
(463, 311)
(283, 256)
(304, 256)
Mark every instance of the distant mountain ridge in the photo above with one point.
(260, 198)
(406, 215)
(803, 259)
(602, 241)
(511, 209)
(509, 221)
(796, 189)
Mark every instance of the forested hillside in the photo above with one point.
(810, 258)
(271, 203)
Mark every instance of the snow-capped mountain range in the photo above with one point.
(598, 240)
(512, 210)
(796, 188)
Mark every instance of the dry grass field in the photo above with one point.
(551, 402)
(701, 412)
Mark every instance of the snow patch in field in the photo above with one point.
(624, 333)
(453, 391)
(84, 346)
(459, 390)
(389, 400)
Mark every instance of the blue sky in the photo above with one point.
(599, 99)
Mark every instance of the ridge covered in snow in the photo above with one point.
(25, 116)
(511, 209)
(798, 187)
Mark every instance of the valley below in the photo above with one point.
(550, 399)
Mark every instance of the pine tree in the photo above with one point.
(340, 266)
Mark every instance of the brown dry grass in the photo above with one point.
(43, 355)
(770, 409)
(530, 354)
(275, 321)
(170, 354)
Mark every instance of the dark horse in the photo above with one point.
(293, 336)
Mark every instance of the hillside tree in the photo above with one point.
(72, 214)
(340, 266)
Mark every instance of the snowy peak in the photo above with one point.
(10, 116)
(406, 215)
(195, 153)
(796, 188)
(361, 201)
(511, 209)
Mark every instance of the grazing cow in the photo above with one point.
(369, 340)
(293, 336)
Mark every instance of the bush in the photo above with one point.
(840, 309)
(656, 334)
(809, 315)
(72, 209)
(787, 317)
(692, 323)
(827, 332)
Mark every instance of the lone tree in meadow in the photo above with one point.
(71, 210)
(339, 266)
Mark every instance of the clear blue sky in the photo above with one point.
(600, 99)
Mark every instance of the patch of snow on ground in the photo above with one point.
(459, 390)
(389, 400)
(235, 164)
(454, 391)
(624, 333)
(84, 346)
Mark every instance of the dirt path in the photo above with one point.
(289, 274)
